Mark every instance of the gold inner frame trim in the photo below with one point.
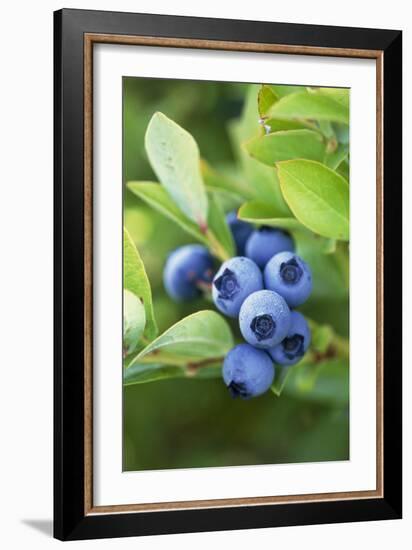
(89, 40)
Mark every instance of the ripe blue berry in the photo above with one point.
(247, 371)
(235, 280)
(264, 319)
(241, 231)
(294, 346)
(266, 242)
(288, 275)
(188, 270)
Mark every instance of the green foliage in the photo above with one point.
(261, 180)
(339, 95)
(264, 214)
(202, 335)
(140, 373)
(197, 341)
(325, 381)
(134, 321)
(287, 145)
(282, 90)
(335, 158)
(322, 338)
(267, 96)
(318, 197)
(219, 183)
(287, 179)
(155, 195)
(135, 280)
(285, 165)
(174, 156)
(281, 377)
(219, 236)
(311, 105)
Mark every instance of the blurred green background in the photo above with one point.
(186, 423)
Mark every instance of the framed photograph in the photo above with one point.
(227, 274)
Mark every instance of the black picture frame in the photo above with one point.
(71, 521)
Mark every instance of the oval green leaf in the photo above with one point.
(156, 196)
(216, 181)
(317, 196)
(310, 105)
(135, 279)
(140, 373)
(277, 125)
(282, 90)
(217, 238)
(174, 156)
(202, 335)
(287, 145)
(261, 213)
(261, 180)
(219, 235)
(266, 98)
(340, 95)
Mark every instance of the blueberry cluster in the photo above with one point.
(260, 286)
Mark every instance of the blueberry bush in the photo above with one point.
(255, 285)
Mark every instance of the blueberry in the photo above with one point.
(266, 242)
(288, 275)
(235, 280)
(188, 270)
(241, 231)
(296, 343)
(264, 319)
(247, 371)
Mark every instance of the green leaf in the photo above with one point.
(281, 378)
(327, 129)
(202, 335)
(134, 320)
(266, 98)
(288, 145)
(333, 160)
(318, 197)
(261, 181)
(135, 279)
(276, 125)
(174, 156)
(218, 225)
(310, 105)
(340, 95)
(343, 169)
(342, 133)
(328, 279)
(154, 195)
(140, 373)
(315, 243)
(261, 213)
(215, 181)
(284, 90)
